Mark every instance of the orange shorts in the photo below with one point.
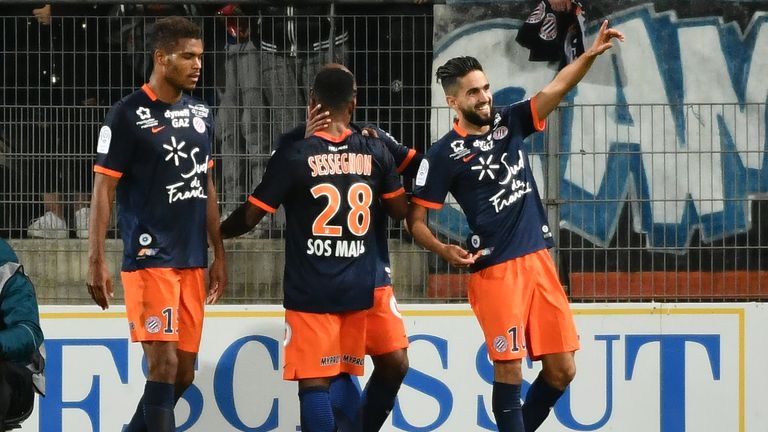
(323, 345)
(522, 308)
(385, 331)
(165, 304)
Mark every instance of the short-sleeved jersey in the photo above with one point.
(406, 160)
(330, 188)
(490, 177)
(161, 153)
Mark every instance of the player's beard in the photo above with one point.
(472, 117)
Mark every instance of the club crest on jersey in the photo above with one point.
(500, 133)
(153, 324)
(198, 124)
(145, 118)
(459, 151)
(500, 344)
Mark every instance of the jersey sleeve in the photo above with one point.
(391, 186)
(403, 156)
(433, 180)
(524, 115)
(293, 135)
(275, 184)
(114, 150)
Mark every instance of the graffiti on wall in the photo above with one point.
(671, 124)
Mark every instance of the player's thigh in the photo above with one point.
(551, 328)
(499, 298)
(151, 303)
(385, 330)
(323, 345)
(191, 308)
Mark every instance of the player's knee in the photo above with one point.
(508, 371)
(392, 366)
(162, 368)
(559, 377)
(184, 379)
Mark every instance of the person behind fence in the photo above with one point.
(154, 151)
(20, 341)
(334, 185)
(272, 55)
(514, 289)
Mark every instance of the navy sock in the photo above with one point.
(137, 421)
(506, 407)
(378, 400)
(316, 411)
(345, 402)
(540, 399)
(158, 407)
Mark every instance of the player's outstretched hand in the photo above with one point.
(99, 283)
(603, 41)
(457, 256)
(317, 120)
(217, 281)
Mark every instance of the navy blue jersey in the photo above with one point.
(407, 162)
(161, 153)
(490, 177)
(330, 188)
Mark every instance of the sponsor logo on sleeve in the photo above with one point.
(105, 138)
(421, 176)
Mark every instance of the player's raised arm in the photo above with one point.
(551, 95)
(98, 280)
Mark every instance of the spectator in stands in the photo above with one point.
(273, 53)
(20, 338)
(52, 81)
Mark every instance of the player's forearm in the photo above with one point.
(242, 220)
(101, 208)
(423, 235)
(212, 221)
(550, 96)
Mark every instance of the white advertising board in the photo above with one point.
(642, 367)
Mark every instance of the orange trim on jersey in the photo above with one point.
(210, 164)
(393, 194)
(538, 123)
(408, 158)
(106, 171)
(427, 204)
(261, 204)
(148, 90)
(459, 130)
(336, 139)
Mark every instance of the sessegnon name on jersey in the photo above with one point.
(340, 163)
(337, 248)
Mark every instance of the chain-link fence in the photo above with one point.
(663, 204)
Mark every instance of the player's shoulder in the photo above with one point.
(197, 107)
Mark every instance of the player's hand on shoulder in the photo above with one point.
(317, 120)
(457, 256)
(370, 132)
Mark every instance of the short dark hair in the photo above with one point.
(334, 88)
(454, 69)
(166, 32)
